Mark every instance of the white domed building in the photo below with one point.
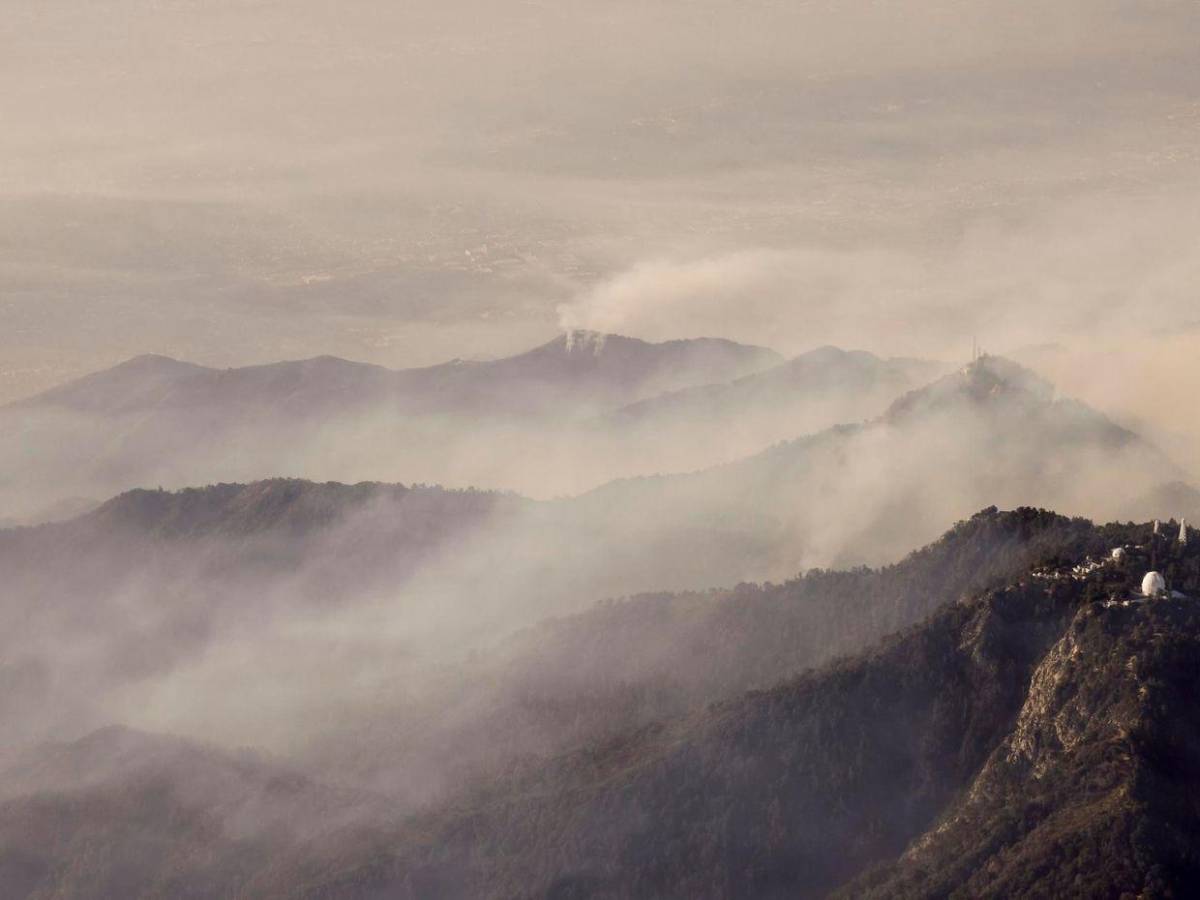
(1154, 585)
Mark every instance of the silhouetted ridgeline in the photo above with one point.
(290, 507)
(529, 420)
(577, 370)
(276, 507)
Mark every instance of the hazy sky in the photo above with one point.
(234, 181)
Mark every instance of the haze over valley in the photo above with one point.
(599, 450)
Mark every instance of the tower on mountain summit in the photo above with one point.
(1183, 531)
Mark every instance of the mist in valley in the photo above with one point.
(441, 442)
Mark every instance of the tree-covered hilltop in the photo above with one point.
(285, 507)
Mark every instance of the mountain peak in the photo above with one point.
(119, 386)
(987, 380)
(990, 371)
(152, 361)
(583, 341)
(640, 367)
(829, 351)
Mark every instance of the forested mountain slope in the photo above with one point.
(624, 663)
(1023, 738)
(1029, 735)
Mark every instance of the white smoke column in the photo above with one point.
(672, 298)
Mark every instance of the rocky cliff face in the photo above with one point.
(1090, 793)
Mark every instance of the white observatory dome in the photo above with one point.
(1154, 585)
(1118, 554)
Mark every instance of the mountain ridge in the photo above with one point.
(801, 788)
(916, 465)
(1017, 730)
(804, 394)
(563, 346)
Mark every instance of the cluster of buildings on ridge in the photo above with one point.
(1153, 585)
